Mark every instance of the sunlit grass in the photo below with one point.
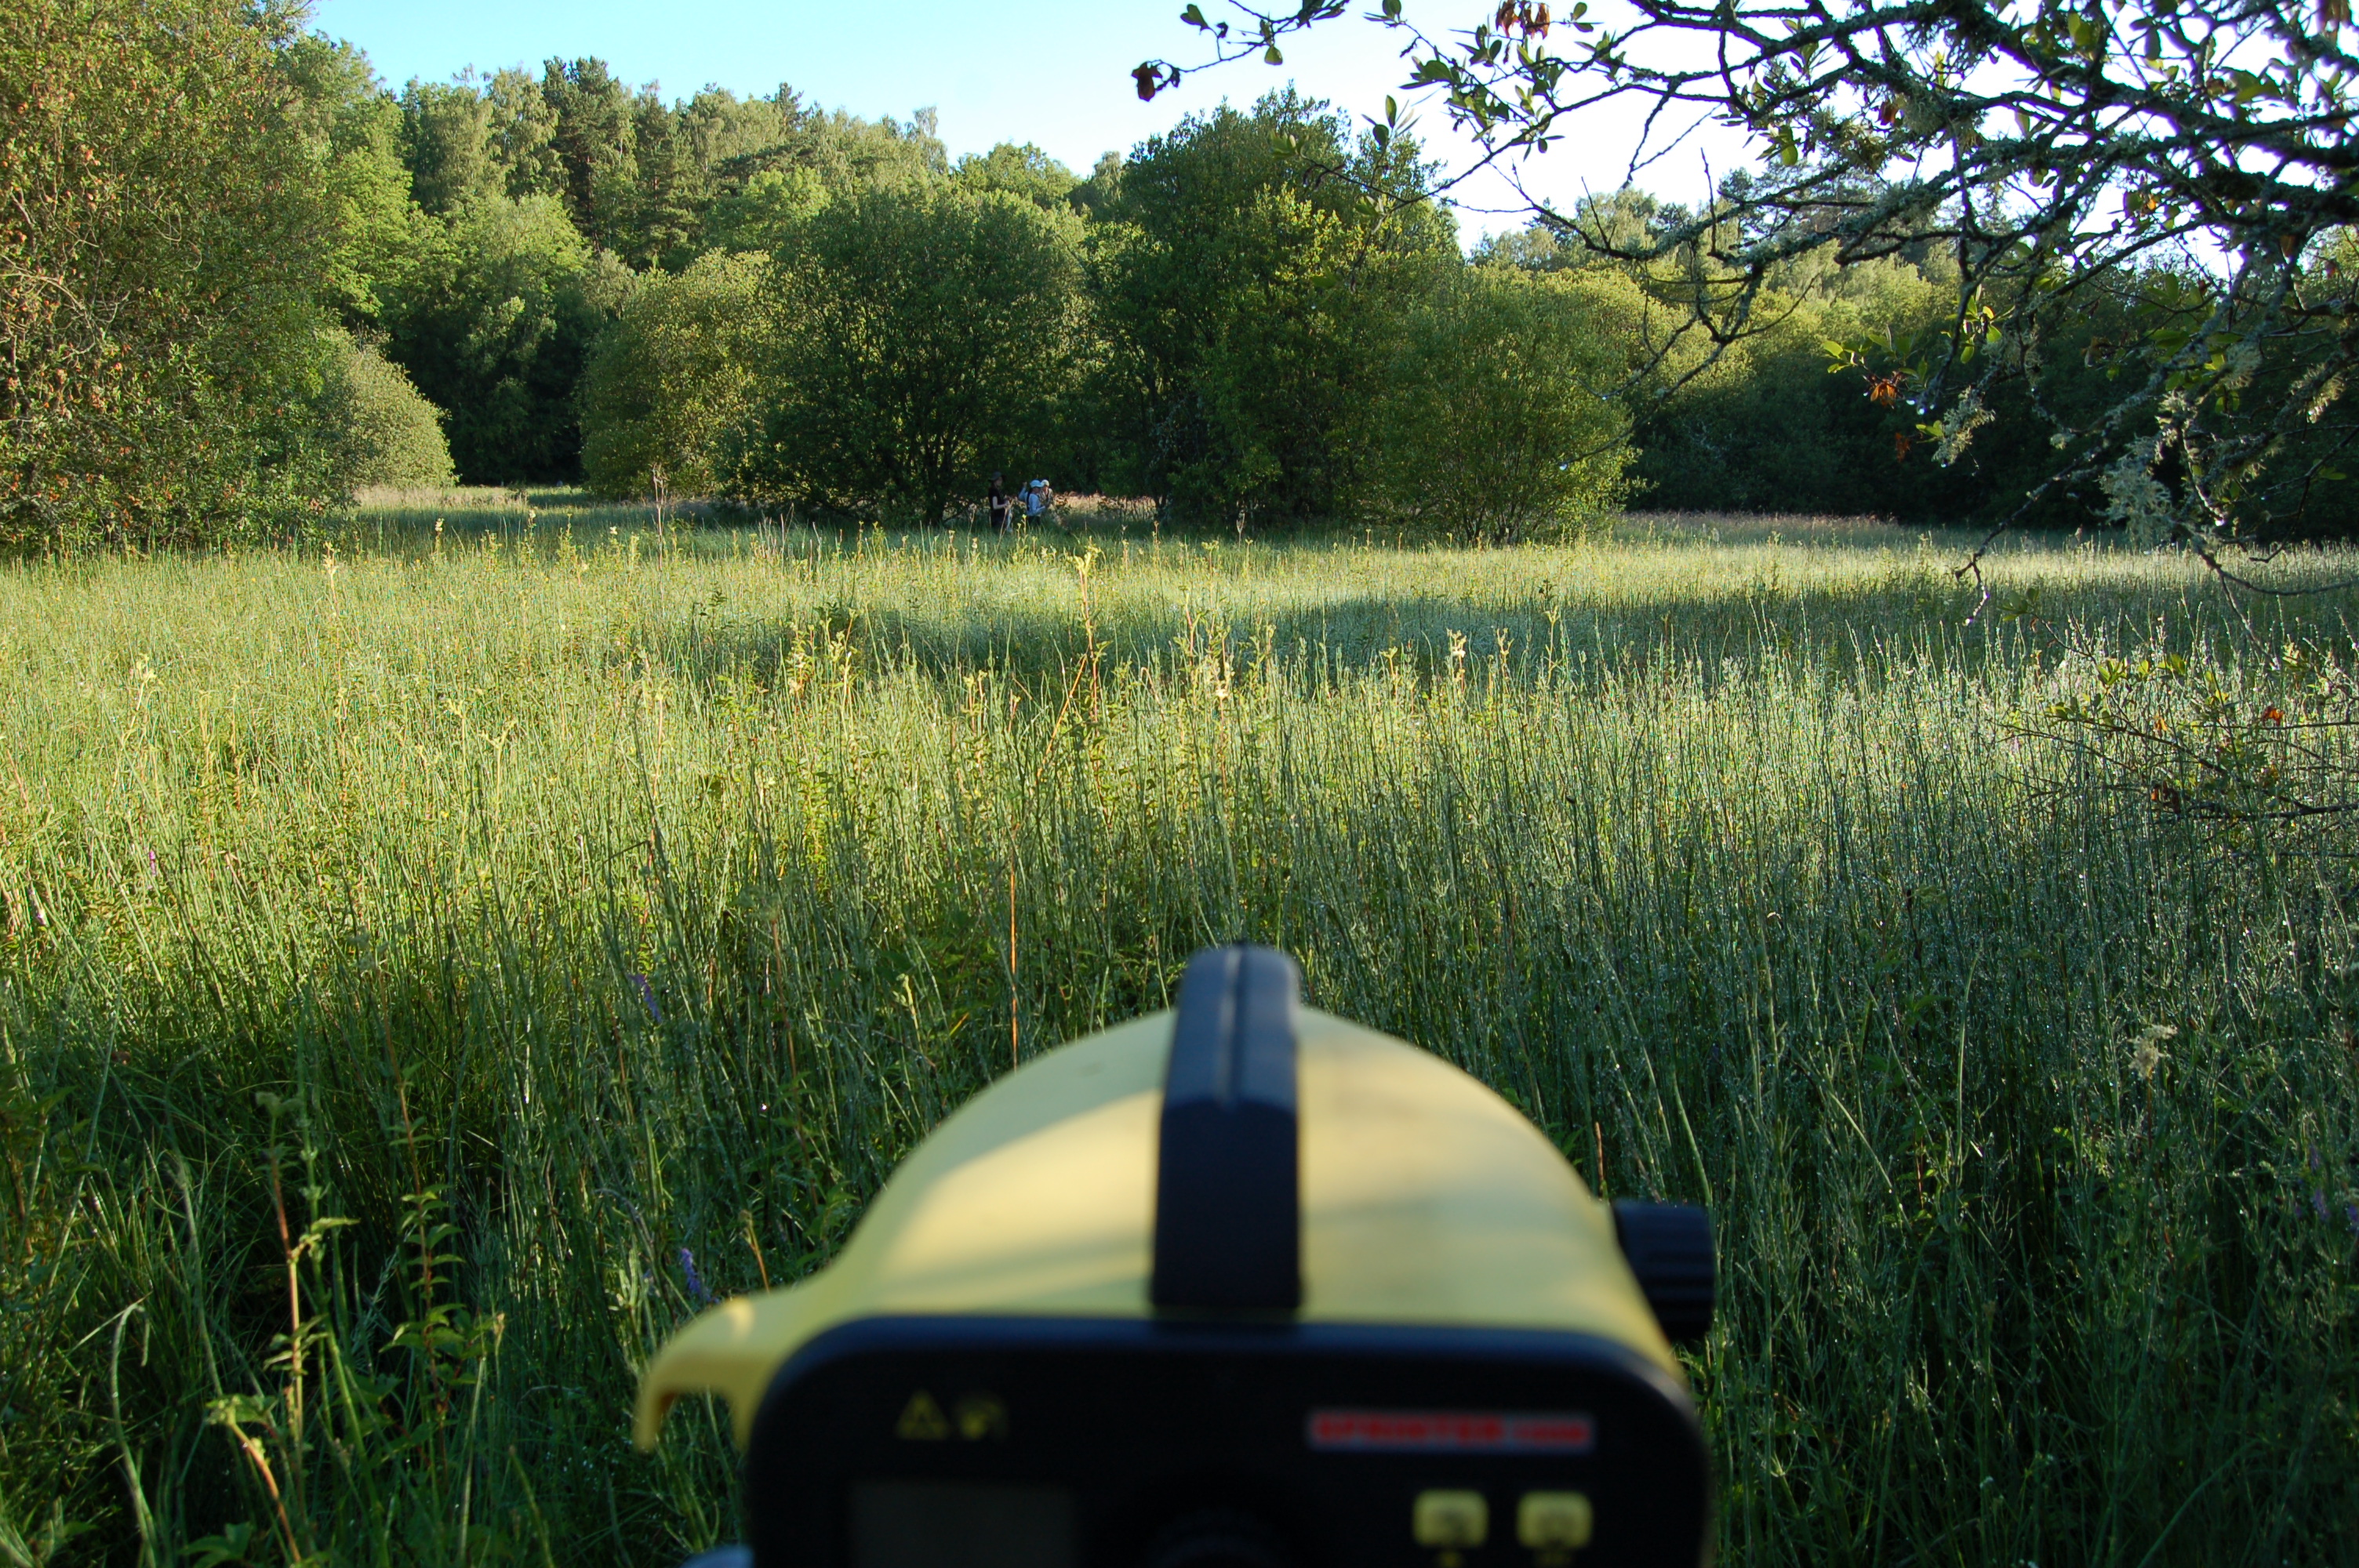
(628, 892)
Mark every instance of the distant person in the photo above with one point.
(1036, 499)
(998, 504)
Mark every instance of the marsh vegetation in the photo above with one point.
(434, 967)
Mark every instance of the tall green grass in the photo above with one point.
(432, 967)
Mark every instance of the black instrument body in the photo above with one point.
(1049, 1443)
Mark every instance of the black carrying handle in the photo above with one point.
(1228, 1202)
(1668, 1246)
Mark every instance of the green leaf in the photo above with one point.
(235, 1410)
(213, 1551)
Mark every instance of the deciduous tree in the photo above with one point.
(1495, 424)
(166, 237)
(932, 330)
(674, 374)
(2198, 157)
(1250, 271)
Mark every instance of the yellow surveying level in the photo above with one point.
(1236, 1285)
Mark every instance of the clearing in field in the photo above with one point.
(435, 967)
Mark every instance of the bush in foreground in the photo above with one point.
(380, 433)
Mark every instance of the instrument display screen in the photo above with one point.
(961, 1524)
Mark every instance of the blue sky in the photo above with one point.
(1054, 72)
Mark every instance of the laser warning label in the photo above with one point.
(1452, 1432)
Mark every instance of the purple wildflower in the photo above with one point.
(2351, 1212)
(695, 1281)
(647, 997)
(2318, 1204)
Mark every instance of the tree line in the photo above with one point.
(241, 278)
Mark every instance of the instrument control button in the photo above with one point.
(1450, 1519)
(1554, 1521)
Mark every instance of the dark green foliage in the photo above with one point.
(596, 146)
(445, 135)
(1252, 333)
(762, 210)
(168, 244)
(851, 154)
(1771, 429)
(1025, 171)
(538, 195)
(928, 334)
(1251, 278)
(378, 430)
(1098, 193)
(495, 325)
(1493, 424)
(2061, 161)
(1250, 270)
(473, 138)
(675, 375)
(354, 131)
(670, 190)
(522, 136)
(760, 193)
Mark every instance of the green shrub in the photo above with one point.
(673, 374)
(1494, 426)
(935, 329)
(166, 245)
(378, 430)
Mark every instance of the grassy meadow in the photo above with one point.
(433, 966)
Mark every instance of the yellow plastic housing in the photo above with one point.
(1427, 1200)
